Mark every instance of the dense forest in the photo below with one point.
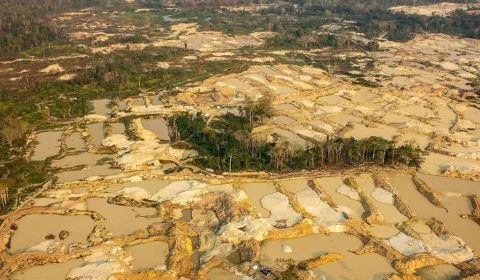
(229, 144)
(23, 23)
(372, 20)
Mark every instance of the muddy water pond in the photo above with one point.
(457, 204)
(384, 231)
(294, 186)
(361, 132)
(455, 185)
(420, 228)
(96, 132)
(433, 161)
(51, 271)
(367, 266)
(390, 212)
(98, 170)
(122, 220)
(147, 256)
(439, 272)
(100, 107)
(330, 185)
(466, 229)
(157, 126)
(256, 191)
(307, 247)
(221, 274)
(45, 201)
(75, 142)
(80, 159)
(48, 145)
(117, 128)
(32, 229)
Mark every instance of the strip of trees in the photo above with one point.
(229, 144)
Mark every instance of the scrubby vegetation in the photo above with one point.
(229, 144)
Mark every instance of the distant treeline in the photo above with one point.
(228, 144)
(23, 23)
(372, 18)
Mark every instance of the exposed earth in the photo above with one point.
(125, 203)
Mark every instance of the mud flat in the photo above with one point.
(439, 272)
(292, 138)
(395, 118)
(75, 143)
(51, 271)
(149, 255)
(157, 126)
(473, 114)
(48, 145)
(98, 170)
(454, 185)
(152, 187)
(465, 229)
(345, 119)
(236, 83)
(283, 120)
(221, 274)
(331, 100)
(255, 192)
(32, 229)
(421, 140)
(447, 118)
(363, 96)
(284, 107)
(122, 220)
(416, 110)
(100, 107)
(96, 132)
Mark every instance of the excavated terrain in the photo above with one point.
(126, 204)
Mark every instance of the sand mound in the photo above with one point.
(347, 191)
(382, 196)
(280, 209)
(54, 68)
